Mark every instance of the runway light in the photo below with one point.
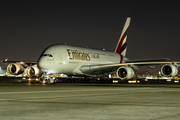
(168, 80)
(115, 81)
(109, 75)
(176, 81)
(132, 81)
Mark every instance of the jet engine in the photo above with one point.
(169, 70)
(33, 71)
(125, 72)
(15, 68)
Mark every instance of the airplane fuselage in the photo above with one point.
(68, 59)
(81, 61)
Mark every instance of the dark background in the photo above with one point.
(28, 27)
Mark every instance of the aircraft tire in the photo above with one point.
(54, 82)
(46, 81)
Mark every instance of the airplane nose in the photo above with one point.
(41, 63)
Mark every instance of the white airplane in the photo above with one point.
(81, 61)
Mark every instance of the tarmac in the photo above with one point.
(89, 101)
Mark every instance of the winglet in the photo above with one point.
(122, 45)
(4, 61)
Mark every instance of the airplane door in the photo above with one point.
(57, 59)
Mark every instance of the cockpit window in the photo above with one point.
(49, 55)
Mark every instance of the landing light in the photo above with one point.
(61, 75)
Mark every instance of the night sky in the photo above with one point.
(27, 28)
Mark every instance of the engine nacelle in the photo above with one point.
(33, 71)
(125, 72)
(15, 68)
(169, 70)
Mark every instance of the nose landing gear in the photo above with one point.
(48, 80)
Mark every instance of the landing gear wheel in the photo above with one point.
(46, 81)
(54, 82)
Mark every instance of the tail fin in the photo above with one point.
(122, 45)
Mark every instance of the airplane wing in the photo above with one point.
(102, 68)
(26, 63)
(19, 67)
(147, 60)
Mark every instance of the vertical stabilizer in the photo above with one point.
(122, 45)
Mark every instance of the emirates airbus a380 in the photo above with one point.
(81, 61)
